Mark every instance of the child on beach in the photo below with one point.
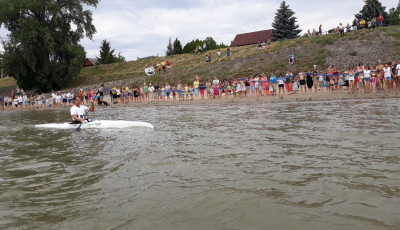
(271, 89)
(373, 83)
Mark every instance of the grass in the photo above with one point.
(7, 84)
(245, 60)
(395, 33)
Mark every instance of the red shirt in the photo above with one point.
(380, 18)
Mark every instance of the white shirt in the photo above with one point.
(280, 82)
(367, 73)
(238, 87)
(216, 82)
(79, 111)
(387, 72)
(398, 69)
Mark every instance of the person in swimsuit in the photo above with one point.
(302, 81)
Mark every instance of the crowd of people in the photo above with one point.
(357, 24)
(359, 79)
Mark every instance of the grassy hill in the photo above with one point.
(367, 46)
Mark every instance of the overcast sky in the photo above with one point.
(142, 28)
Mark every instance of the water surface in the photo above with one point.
(303, 165)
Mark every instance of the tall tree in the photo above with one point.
(177, 49)
(371, 9)
(170, 48)
(106, 53)
(284, 24)
(394, 15)
(42, 50)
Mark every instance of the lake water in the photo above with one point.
(259, 165)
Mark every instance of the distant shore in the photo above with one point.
(299, 97)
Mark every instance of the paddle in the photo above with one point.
(79, 127)
(91, 108)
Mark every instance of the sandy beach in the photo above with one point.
(299, 97)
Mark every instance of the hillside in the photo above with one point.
(366, 46)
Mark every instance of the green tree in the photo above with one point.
(191, 46)
(107, 55)
(120, 58)
(177, 48)
(371, 9)
(284, 24)
(210, 42)
(170, 48)
(42, 50)
(394, 15)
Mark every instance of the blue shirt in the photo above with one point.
(273, 79)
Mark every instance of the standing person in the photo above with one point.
(320, 30)
(146, 92)
(201, 87)
(310, 81)
(302, 81)
(281, 85)
(373, 82)
(135, 92)
(151, 92)
(196, 84)
(252, 85)
(320, 81)
(257, 85)
(380, 20)
(259, 46)
(350, 72)
(167, 90)
(219, 55)
(78, 111)
(215, 87)
(264, 80)
(272, 87)
(373, 23)
(341, 30)
(398, 74)
(288, 81)
(387, 76)
(228, 52)
(367, 77)
(360, 83)
(328, 77)
(394, 75)
(355, 24)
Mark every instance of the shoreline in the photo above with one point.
(299, 97)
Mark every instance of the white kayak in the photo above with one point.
(98, 124)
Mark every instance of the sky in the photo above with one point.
(142, 28)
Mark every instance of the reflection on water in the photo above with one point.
(311, 165)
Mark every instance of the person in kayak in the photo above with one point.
(78, 111)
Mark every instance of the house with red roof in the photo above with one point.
(252, 38)
(90, 62)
